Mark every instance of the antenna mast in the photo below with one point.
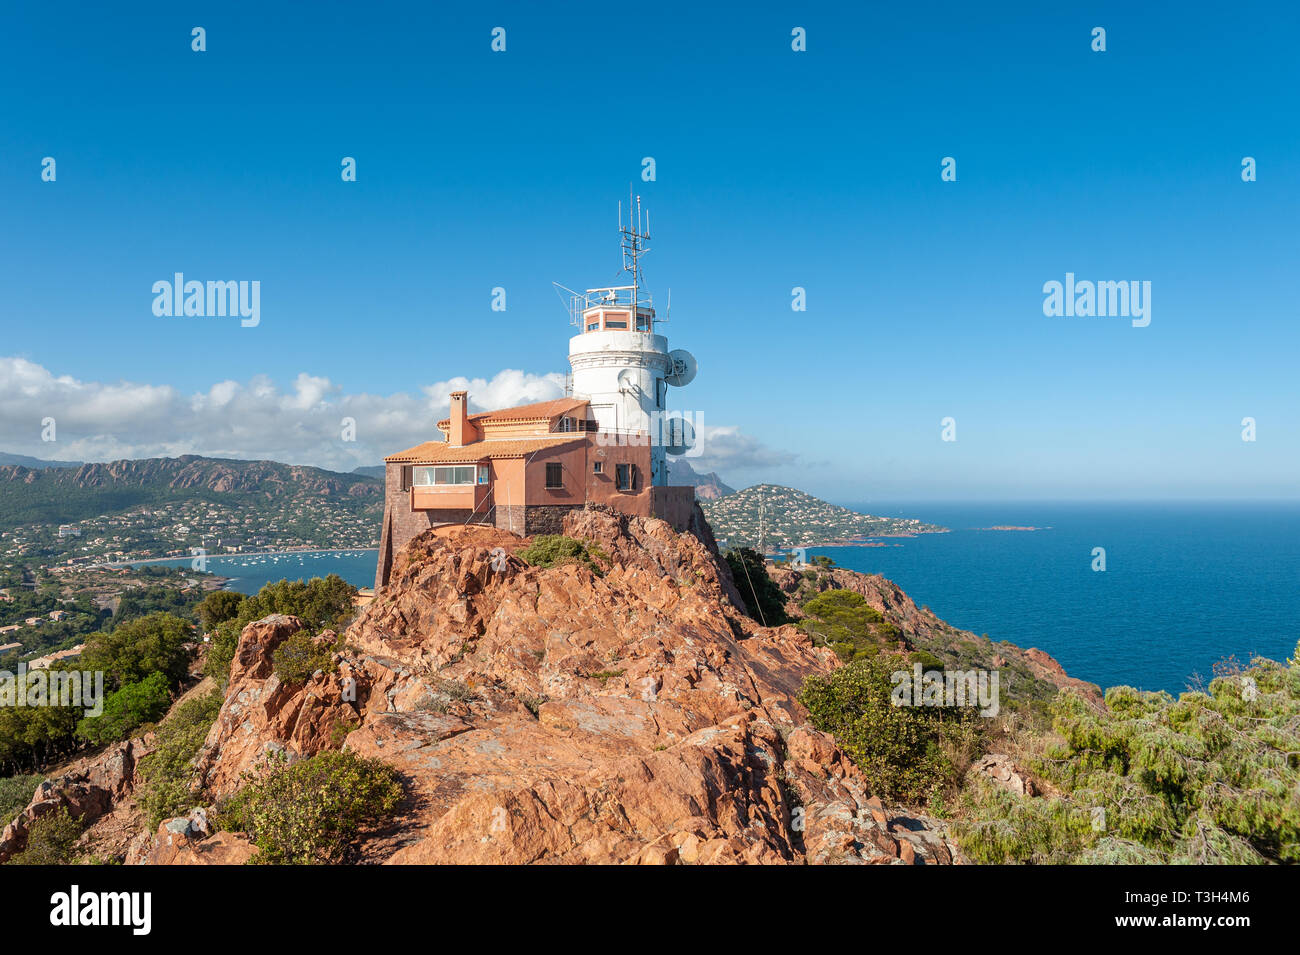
(634, 242)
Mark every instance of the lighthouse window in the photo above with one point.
(609, 324)
(554, 475)
(592, 326)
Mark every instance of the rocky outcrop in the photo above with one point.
(89, 789)
(626, 712)
(261, 715)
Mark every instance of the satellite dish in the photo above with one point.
(683, 368)
(678, 435)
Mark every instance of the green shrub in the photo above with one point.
(904, 751)
(845, 622)
(50, 840)
(927, 660)
(127, 709)
(15, 794)
(311, 811)
(300, 656)
(1209, 778)
(218, 607)
(167, 772)
(222, 644)
(553, 550)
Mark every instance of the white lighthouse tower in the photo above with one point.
(621, 365)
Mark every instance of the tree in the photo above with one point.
(218, 607)
(126, 710)
(138, 648)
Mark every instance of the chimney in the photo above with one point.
(459, 419)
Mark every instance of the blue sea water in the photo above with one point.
(250, 572)
(1186, 584)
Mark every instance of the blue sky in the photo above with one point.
(774, 169)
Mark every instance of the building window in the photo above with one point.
(593, 326)
(437, 477)
(598, 467)
(483, 474)
(623, 476)
(609, 324)
(554, 475)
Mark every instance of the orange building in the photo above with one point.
(520, 469)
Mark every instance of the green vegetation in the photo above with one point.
(763, 599)
(845, 622)
(910, 753)
(218, 607)
(50, 840)
(1210, 778)
(15, 794)
(167, 772)
(141, 660)
(135, 650)
(320, 603)
(300, 656)
(127, 709)
(553, 550)
(311, 811)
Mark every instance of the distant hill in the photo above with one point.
(28, 462)
(708, 487)
(791, 518)
(64, 495)
(371, 470)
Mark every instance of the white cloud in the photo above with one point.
(102, 421)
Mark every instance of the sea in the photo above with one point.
(248, 573)
(1185, 585)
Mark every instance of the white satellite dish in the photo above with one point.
(678, 435)
(683, 368)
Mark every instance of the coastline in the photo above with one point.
(259, 553)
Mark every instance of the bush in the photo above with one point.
(1207, 779)
(902, 750)
(311, 811)
(218, 607)
(167, 772)
(222, 644)
(554, 550)
(843, 621)
(763, 599)
(50, 840)
(15, 794)
(301, 655)
(127, 709)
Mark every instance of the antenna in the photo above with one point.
(634, 242)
